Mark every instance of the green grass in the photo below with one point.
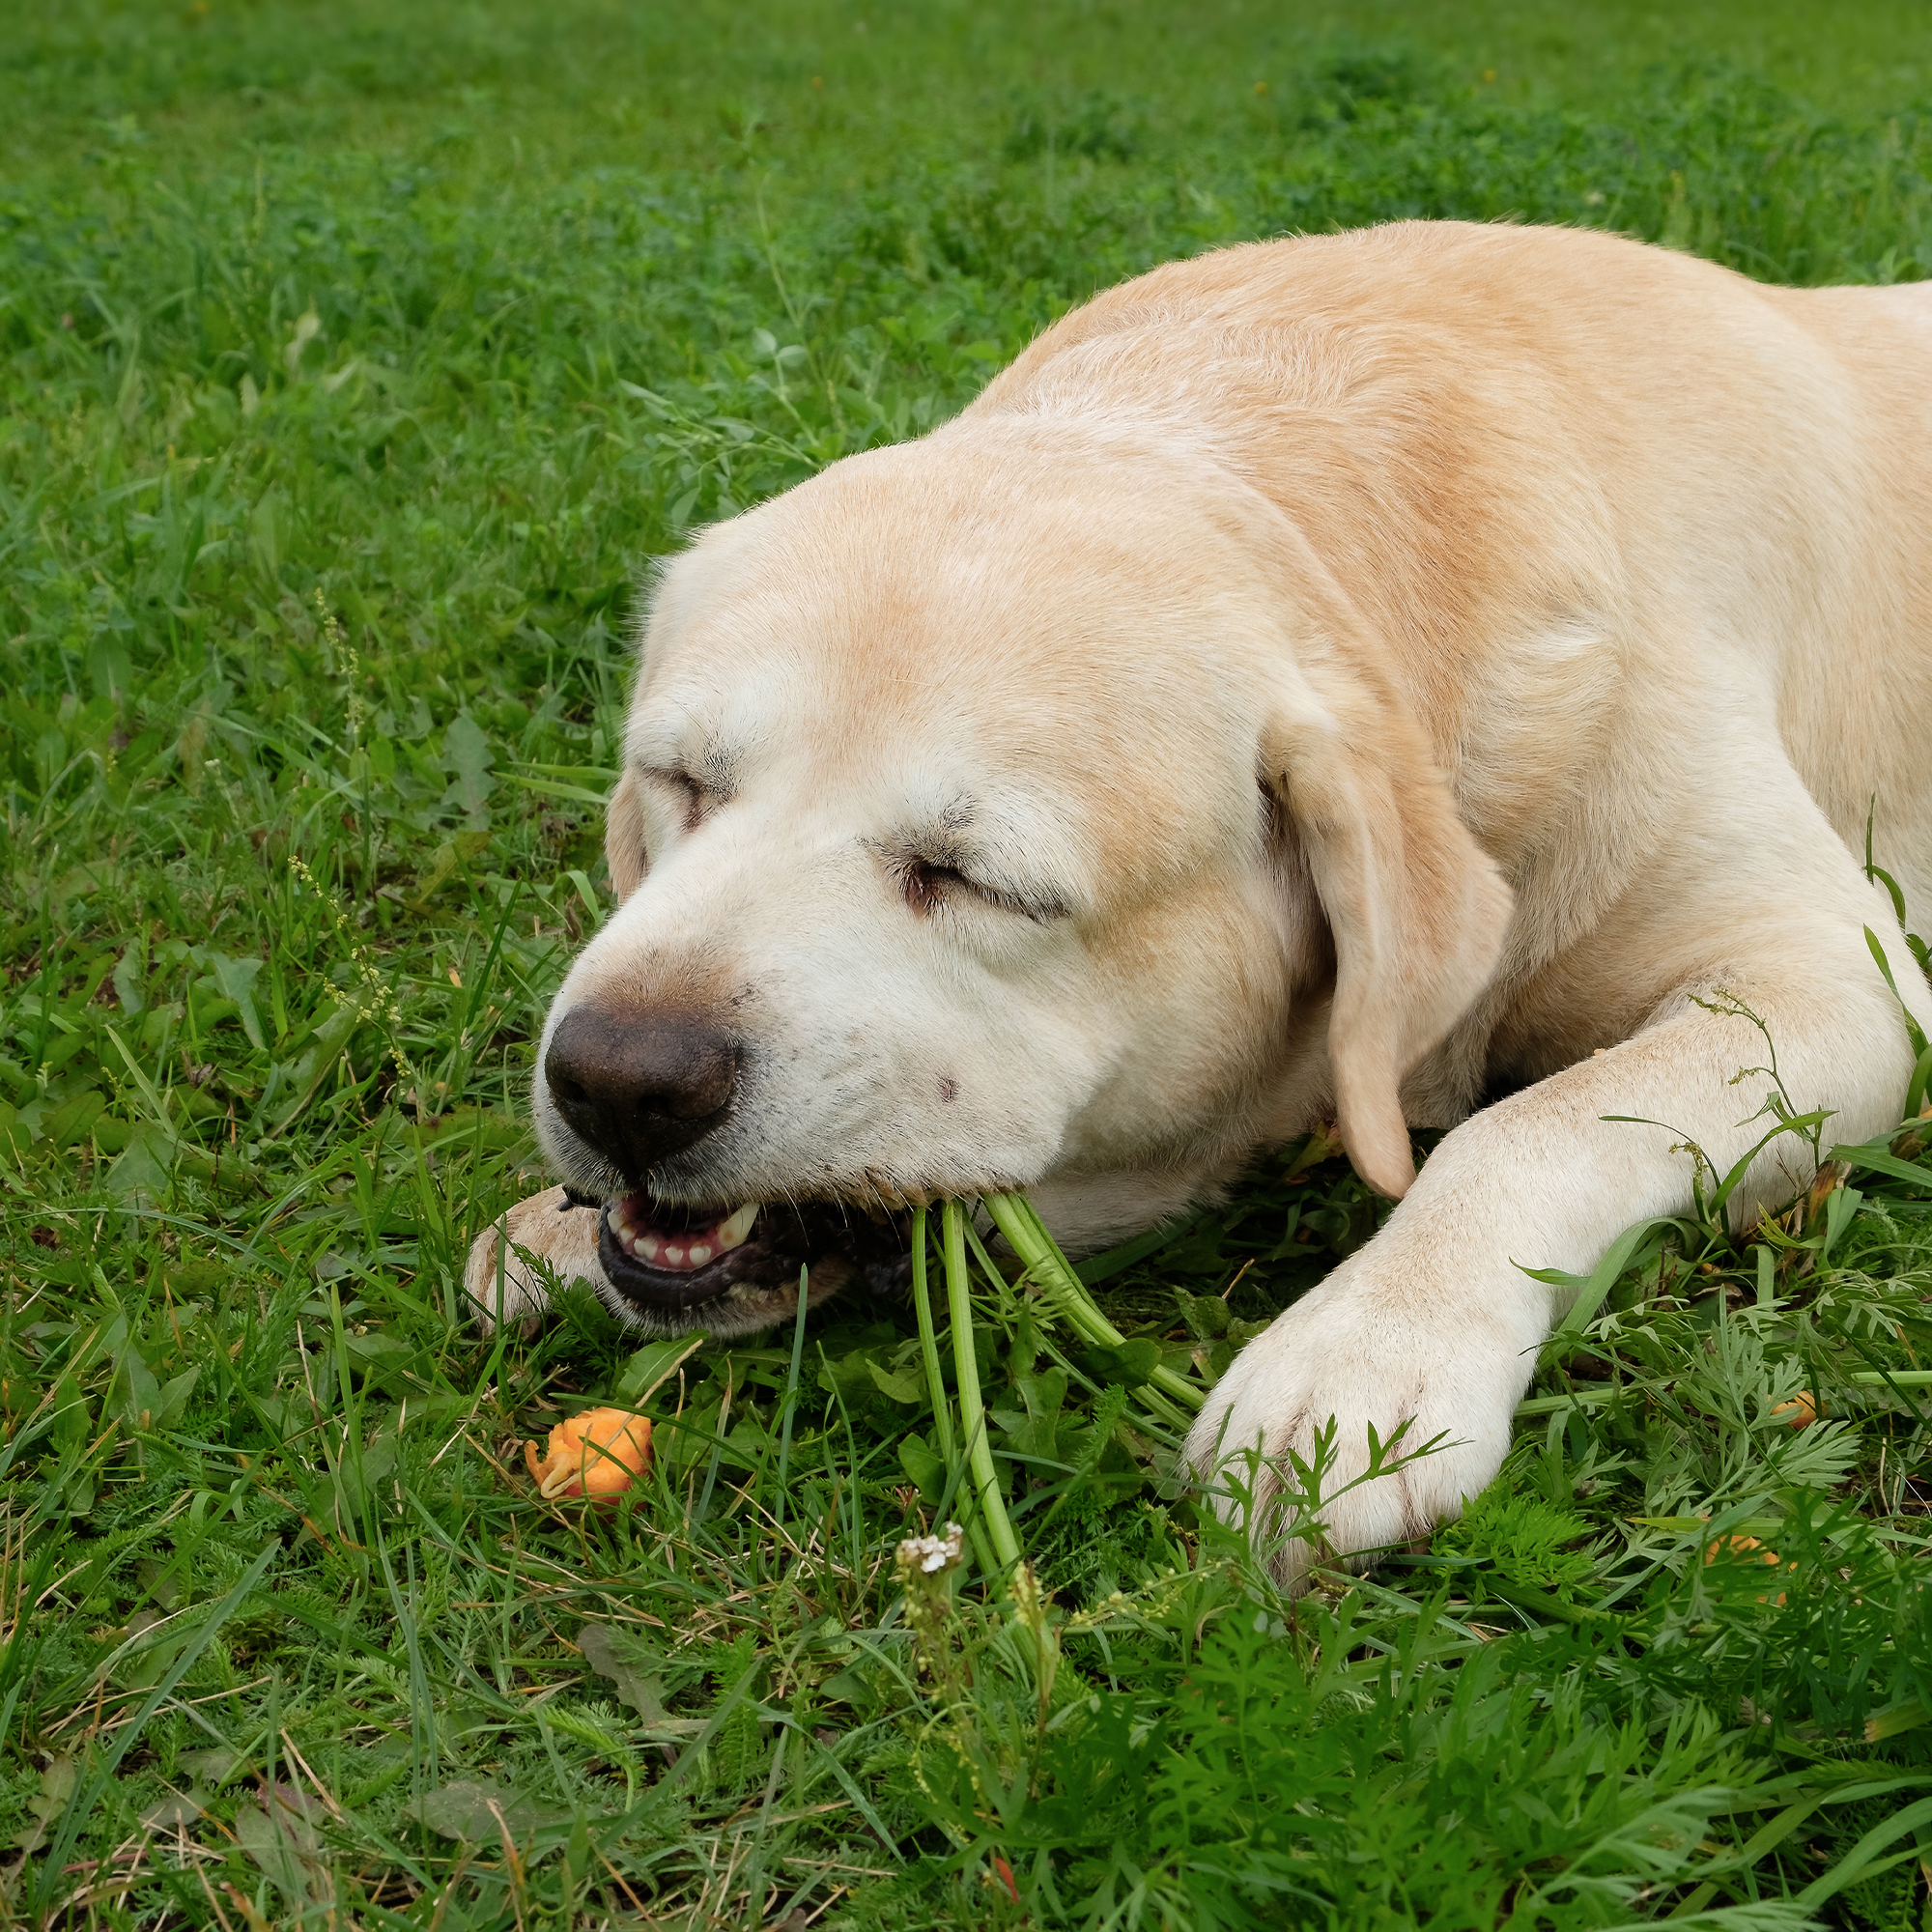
(356, 359)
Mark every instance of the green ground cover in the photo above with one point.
(355, 361)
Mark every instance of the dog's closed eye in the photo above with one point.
(692, 796)
(931, 884)
(927, 886)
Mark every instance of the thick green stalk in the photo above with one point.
(935, 1384)
(1016, 1218)
(928, 1343)
(791, 1387)
(1154, 1412)
(972, 1410)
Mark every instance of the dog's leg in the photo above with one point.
(504, 1285)
(1433, 1324)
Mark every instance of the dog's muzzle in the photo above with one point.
(637, 1088)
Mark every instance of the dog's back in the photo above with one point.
(1535, 456)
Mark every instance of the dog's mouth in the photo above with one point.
(673, 1260)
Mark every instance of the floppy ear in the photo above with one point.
(624, 837)
(1418, 910)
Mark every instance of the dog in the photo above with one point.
(1347, 678)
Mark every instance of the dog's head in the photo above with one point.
(1004, 810)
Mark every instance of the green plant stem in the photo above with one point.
(1016, 1218)
(966, 1372)
(1154, 1414)
(935, 1382)
(791, 1387)
(929, 1344)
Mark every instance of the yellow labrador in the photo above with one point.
(1329, 679)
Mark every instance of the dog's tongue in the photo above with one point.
(677, 1238)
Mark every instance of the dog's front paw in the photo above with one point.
(1348, 1357)
(545, 1228)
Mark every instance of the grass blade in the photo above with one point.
(86, 1796)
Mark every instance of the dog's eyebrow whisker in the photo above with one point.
(720, 769)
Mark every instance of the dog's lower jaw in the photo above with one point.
(739, 1311)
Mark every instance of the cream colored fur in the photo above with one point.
(1361, 673)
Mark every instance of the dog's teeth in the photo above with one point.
(683, 1252)
(732, 1231)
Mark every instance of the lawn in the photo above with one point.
(356, 359)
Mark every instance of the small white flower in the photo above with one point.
(932, 1553)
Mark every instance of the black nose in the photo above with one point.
(639, 1087)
